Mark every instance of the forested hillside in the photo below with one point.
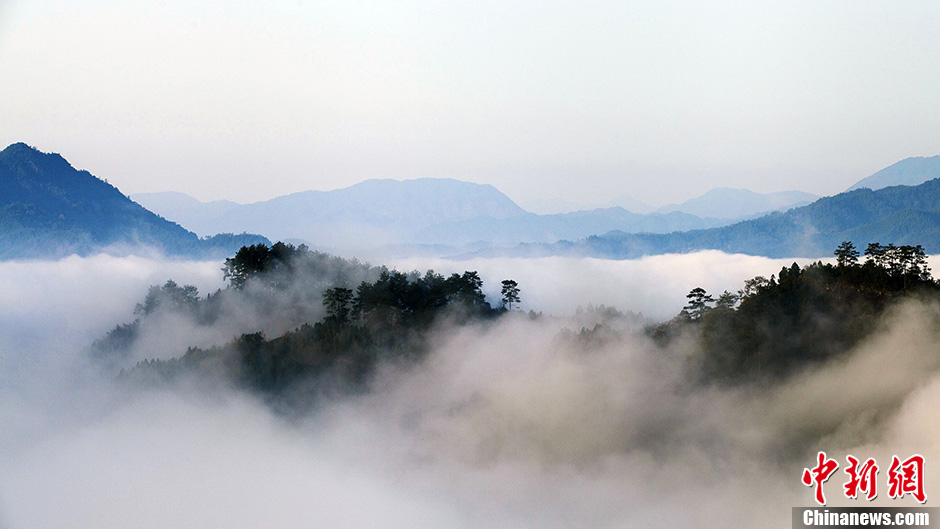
(48, 209)
(906, 215)
(342, 318)
(799, 317)
(294, 323)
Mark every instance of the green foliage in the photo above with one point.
(510, 292)
(753, 286)
(337, 300)
(846, 254)
(397, 299)
(114, 345)
(803, 316)
(248, 262)
(698, 303)
(384, 319)
(900, 261)
(169, 297)
(727, 300)
(156, 372)
(466, 290)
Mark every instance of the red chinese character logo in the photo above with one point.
(819, 474)
(864, 479)
(907, 477)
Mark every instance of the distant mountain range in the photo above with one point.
(530, 227)
(897, 214)
(442, 214)
(740, 204)
(727, 203)
(49, 209)
(436, 213)
(439, 213)
(907, 172)
(554, 206)
(720, 203)
(184, 209)
(368, 214)
(630, 204)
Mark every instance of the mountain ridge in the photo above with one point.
(47, 207)
(896, 214)
(911, 171)
(402, 213)
(733, 203)
(50, 209)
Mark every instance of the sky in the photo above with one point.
(585, 101)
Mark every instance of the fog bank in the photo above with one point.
(654, 285)
(506, 425)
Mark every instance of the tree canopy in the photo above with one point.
(170, 297)
(802, 315)
(384, 318)
(510, 292)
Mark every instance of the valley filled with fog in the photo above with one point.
(466, 265)
(518, 422)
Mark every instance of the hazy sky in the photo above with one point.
(583, 100)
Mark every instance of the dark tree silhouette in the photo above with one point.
(899, 261)
(337, 300)
(846, 255)
(388, 317)
(510, 293)
(467, 289)
(698, 303)
(727, 300)
(247, 262)
(169, 297)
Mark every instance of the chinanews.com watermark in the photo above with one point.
(866, 517)
(903, 478)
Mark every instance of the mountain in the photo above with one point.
(907, 172)
(367, 214)
(425, 215)
(727, 203)
(550, 228)
(719, 203)
(898, 214)
(49, 209)
(630, 204)
(184, 209)
(552, 206)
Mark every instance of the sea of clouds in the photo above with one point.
(505, 425)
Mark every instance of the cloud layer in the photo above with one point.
(506, 425)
